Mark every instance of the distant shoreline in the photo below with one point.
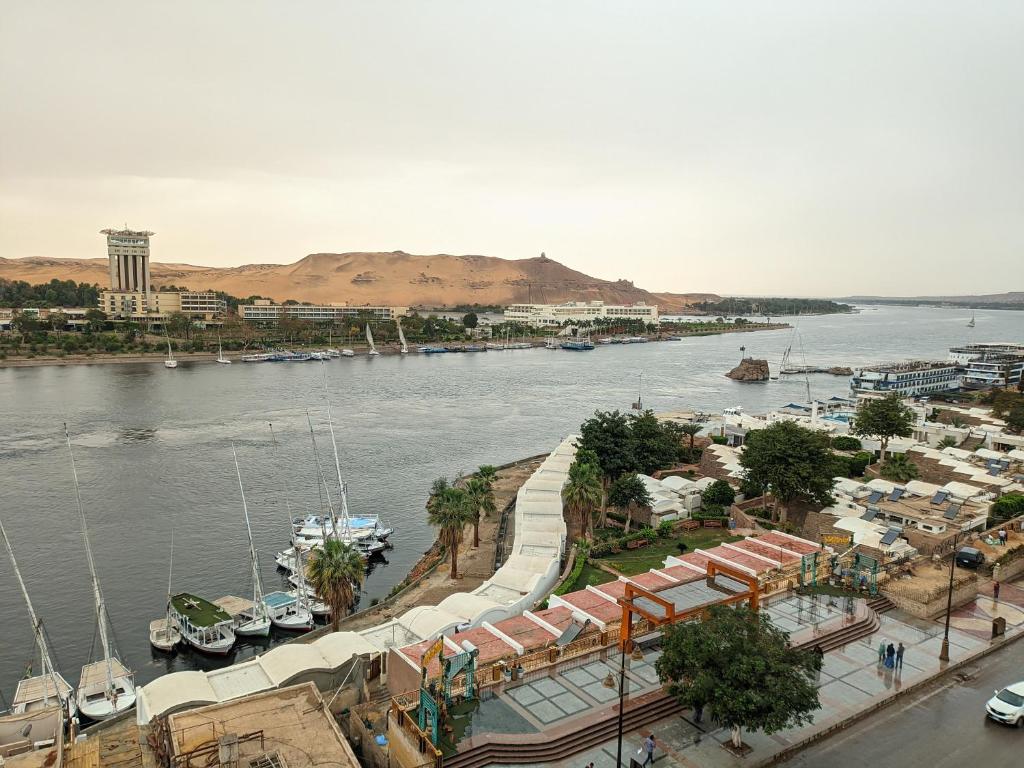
(155, 358)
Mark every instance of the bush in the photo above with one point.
(846, 443)
(577, 568)
(1009, 506)
(719, 439)
(666, 528)
(856, 464)
(719, 493)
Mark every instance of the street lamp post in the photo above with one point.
(944, 652)
(622, 703)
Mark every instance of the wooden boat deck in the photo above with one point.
(235, 606)
(96, 673)
(37, 688)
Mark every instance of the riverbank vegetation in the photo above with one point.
(767, 307)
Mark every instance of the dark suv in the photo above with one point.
(969, 557)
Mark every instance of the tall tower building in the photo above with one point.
(128, 252)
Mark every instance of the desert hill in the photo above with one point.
(397, 279)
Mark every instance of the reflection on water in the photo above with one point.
(153, 448)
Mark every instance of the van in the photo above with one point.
(969, 557)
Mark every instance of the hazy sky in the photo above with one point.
(807, 148)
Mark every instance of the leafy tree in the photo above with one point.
(948, 442)
(450, 510)
(845, 443)
(1015, 419)
(629, 493)
(179, 325)
(691, 430)
(582, 495)
(481, 500)
(655, 444)
(470, 320)
(335, 571)
(885, 418)
(740, 666)
(1008, 507)
(899, 468)
(718, 494)
(96, 320)
(58, 322)
(488, 472)
(608, 437)
(791, 462)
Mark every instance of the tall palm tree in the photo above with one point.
(487, 473)
(451, 510)
(582, 495)
(481, 500)
(334, 572)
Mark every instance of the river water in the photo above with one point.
(153, 449)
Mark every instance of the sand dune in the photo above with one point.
(398, 279)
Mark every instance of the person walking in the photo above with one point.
(881, 651)
(995, 590)
(899, 656)
(649, 748)
(890, 656)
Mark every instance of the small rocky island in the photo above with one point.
(750, 369)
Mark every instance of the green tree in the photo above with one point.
(335, 571)
(655, 444)
(691, 430)
(582, 495)
(1015, 419)
(899, 468)
(608, 438)
(740, 666)
(481, 500)
(470, 320)
(884, 418)
(179, 325)
(450, 511)
(791, 462)
(96, 320)
(718, 494)
(488, 472)
(629, 493)
(58, 322)
(846, 443)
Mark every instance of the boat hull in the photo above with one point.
(104, 710)
(254, 628)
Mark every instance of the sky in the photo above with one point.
(793, 147)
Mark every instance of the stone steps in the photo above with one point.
(858, 630)
(881, 604)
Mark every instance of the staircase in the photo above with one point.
(541, 748)
(881, 604)
(859, 629)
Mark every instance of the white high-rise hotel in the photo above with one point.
(128, 252)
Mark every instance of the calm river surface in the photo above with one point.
(153, 448)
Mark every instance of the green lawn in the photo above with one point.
(634, 561)
(591, 576)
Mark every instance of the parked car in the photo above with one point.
(969, 557)
(1007, 706)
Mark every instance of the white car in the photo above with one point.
(1007, 706)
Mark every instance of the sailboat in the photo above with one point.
(369, 340)
(164, 634)
(170, 362)
(401, 338)
(48, 688)
(107, 687)
(970, 324)
(220, 353)
(259, 624)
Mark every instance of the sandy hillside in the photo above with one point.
(398, 279)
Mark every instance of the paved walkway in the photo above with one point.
(852, 681)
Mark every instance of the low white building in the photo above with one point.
(578, 312)
(265, 311)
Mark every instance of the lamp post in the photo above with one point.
(944, 652)
(609, 682)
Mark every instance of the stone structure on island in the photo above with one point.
(750, 369)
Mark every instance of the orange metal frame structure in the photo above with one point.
(670, 616)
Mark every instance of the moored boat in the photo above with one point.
(287, 612)
(204, 626)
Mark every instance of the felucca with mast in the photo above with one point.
(259, 624)
(369, 340)
(401, 338)
(170, 362)
(164, 634)
(48, 688)
(220, 353)
(107, 686)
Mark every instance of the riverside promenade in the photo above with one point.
(852, 685)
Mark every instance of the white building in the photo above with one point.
(908, 379)
(265, 311)
(128, 254)
(155, 307)
(579, 311)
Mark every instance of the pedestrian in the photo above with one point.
(881, 651)
(1002, 536)
(649, 747)
(899, 656)
(995, 590)
(890, 656)
(698, 713)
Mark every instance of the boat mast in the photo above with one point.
(37, 625)
(259, 609)
(323, 479)
(297, 550)
(170, 581)
(101, 610)
(337, 462)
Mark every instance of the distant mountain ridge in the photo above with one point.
(1008, 300)
(395, 278)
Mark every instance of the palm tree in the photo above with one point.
(334, 572)
(899, 468)
(582, 495)
(481, 500)
(450, 510)
(691, 430)
(487, 473)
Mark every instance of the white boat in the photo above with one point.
(332, 353)
(317, 607)
(401, 338)
(164, 634)
(258, 625)
(170, 362)
(106, 687)
(287, 613)
(551, 343)
(220, 353)
(257, 357)
(970, 323)
(347, 353)
(369, 340)
(205, 626)
(48, 689)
